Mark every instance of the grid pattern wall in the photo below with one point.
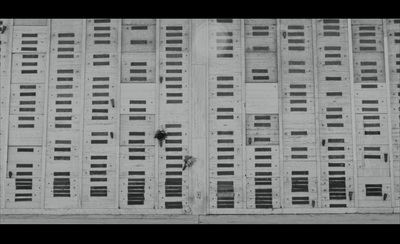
(301, 115)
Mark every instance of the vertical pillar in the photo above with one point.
(27, 114)
(353, 115)
(199, 117)
(334, 114)
(63, 159)
(138, 84)
(391, 42)
(316, 113)
(225, 110)
(100, 113)
(371, 115)
(261, 122)
(299, 150)
(5, 79)
(174, 112)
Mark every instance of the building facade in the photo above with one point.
(200, 116)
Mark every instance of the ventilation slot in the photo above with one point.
(23, 184)
(136, 190)
(300, 200)
(61, 186)
(337, 188)
(373, 190)
(23, 197)
(263, 198)
(98, 191)
(173, 205)
(299, 184)
(225, 194)
(173, 187)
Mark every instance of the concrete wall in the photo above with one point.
(281, 116)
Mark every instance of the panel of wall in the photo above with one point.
(335, 127)
(63, 153)
(261, 115)
(137, 172)
(299, 134)
(26, 116)
(100, 128)
(225, 115)
(371, 115)
(4, 99)
(393, 47)
(173, 185)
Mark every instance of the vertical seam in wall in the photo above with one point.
(1, 123)
(316, 110)
(45, 116)
(280, 111)
(157, 114)
(207, 159)
(353, 115)
(190, 105)
(118, 114)
(82, 125)
(243, 80)
(6, 119)
(190, 116)
(389, 113)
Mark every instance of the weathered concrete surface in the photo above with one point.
(202, 219)
(306, 219)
